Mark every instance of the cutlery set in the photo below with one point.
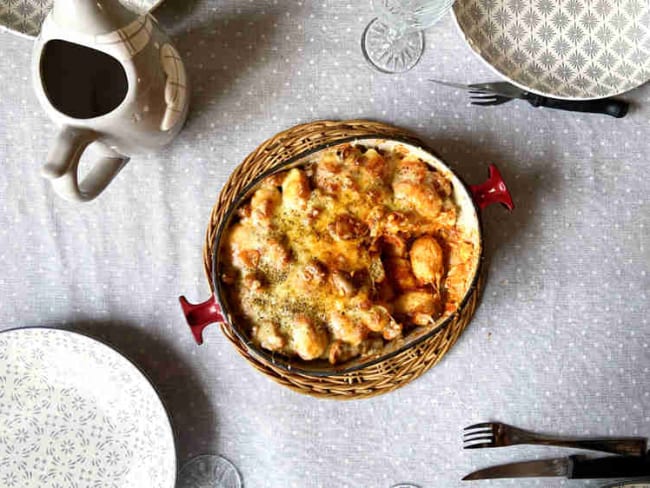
(631, 460)
(497, 93)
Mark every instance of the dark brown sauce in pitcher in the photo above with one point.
(81, 82)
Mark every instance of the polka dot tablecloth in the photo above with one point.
(560, 342)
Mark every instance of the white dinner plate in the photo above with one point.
(75, 413)
(24, 17)
(572, 49)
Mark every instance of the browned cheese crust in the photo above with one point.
(334, 259)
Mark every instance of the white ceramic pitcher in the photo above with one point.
(110, 77)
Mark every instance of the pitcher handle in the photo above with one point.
(63, 163)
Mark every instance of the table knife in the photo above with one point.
(644, 483)
(571, 467)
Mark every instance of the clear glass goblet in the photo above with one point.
(394, 41)
(208, 471)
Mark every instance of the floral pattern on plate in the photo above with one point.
(26, 16)
(573, 49)
(74, 413)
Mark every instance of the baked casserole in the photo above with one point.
(348, 252)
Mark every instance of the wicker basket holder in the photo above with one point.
(379, 378)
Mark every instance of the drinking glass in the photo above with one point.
(394, 41)
(208, 471)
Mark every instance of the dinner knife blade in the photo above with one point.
(526, 469)
(573, 467)
(629, 484)
(451, 85)
(502, 88)
(497, 88)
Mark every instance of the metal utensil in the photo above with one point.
(572, 467)
(644, 483)
(496, 434)
(496, 93)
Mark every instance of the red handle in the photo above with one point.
(493, 190)
(200, 315)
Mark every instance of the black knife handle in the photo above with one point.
(607, 106)
(626, 446)
(608, 467)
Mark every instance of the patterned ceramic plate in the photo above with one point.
(75, 413)
(574, 49)
(26, 16)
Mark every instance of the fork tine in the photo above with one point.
(478, 432)
(483, 436)
(487, 104)
(469, 433)
(479, 446)
(484, 99)
(486, 438)
(479, 426)
(484, 96)
(479, 441)
(475, 91)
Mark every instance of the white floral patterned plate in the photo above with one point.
(75, 413)
(572, 49)
(24, 17)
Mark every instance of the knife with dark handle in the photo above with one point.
(642, 483)
(572, 467)
(607, 106)
(608, 467)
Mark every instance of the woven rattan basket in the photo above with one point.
(372, 380)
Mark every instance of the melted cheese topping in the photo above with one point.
(337, 257)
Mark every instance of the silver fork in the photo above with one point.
(479, 93)
(486, 99)
(498, 92)
(495, 434)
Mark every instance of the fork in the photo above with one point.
(487, 99)
(498, 92)
(480, 94)
(495, 434)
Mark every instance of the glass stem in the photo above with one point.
(395, 32)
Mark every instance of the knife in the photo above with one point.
(572, 467)
(607, 106)
(644, 483)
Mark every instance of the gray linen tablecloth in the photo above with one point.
(559, 343)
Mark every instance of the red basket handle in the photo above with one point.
(200, 315)
(493, 190)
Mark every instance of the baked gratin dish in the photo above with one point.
(349, 252)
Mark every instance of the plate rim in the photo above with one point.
(106, 345)
(24, 35)
(478, 54)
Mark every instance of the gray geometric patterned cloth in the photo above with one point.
(574, 48)
(559, 342)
